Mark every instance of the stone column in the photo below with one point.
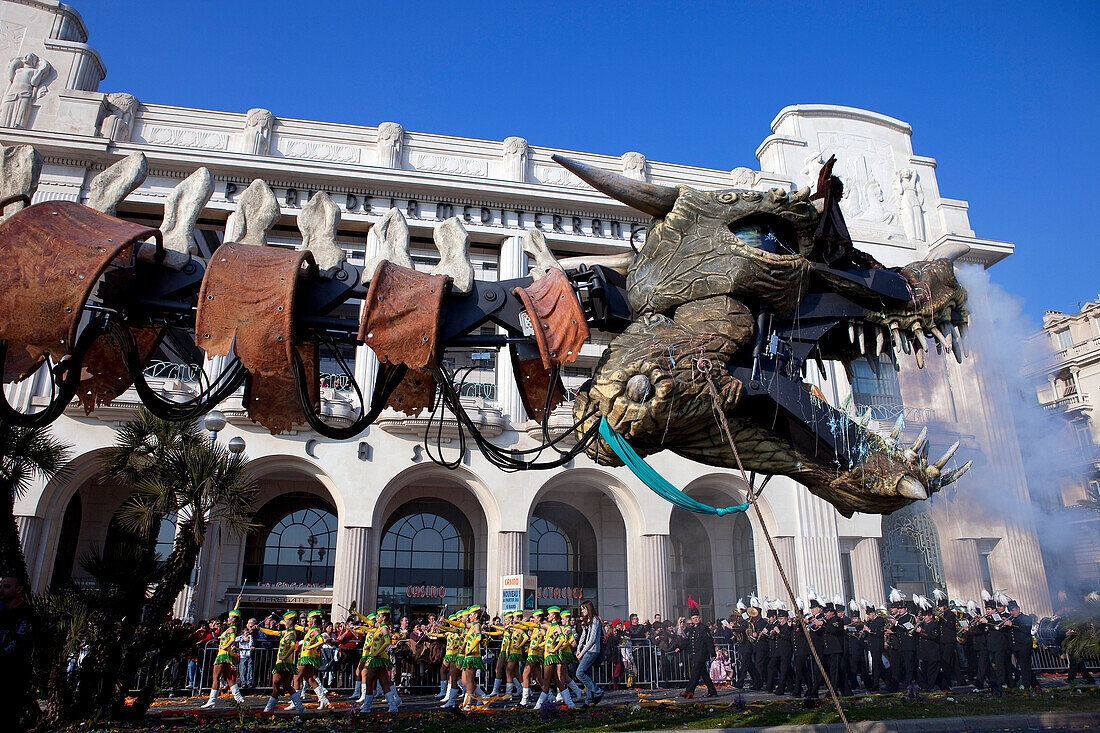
(512, 553)
(354, 569)
(867, 571)
(818, 546)
(648, 575)
(513, 263)
(962, 574)
(30, 528)
(768, 581)
(201, 604)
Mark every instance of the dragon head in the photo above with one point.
(735, 294)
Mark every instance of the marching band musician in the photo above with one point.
(816, 624)
(800, 648)
(997, 642)
(874, 632)
(949, 630)
(781, 648)
(739, 629)
(757, 624)
(927, 634)
(1021, 643)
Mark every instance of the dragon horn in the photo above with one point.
(649, 198)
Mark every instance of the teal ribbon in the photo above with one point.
(656, 481)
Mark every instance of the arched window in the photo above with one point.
(744, 556)
(166, 535)
(426, 556)
(691, 573)
(294, 542)
(910, 552)
(562, 553)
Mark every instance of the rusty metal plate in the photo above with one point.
(52, 255)
(556, 314)
(272, 400)
(415, 394)
(103, 375)
(246, 306)
(402, 315)
(533, 381)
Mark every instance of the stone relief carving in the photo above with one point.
(256, 137)
(635, 166)
(908, 189)
(516, 154)
(118, 119)
(182, 138)
(11, 37)
(557, 177)
(743, 177)
(391, 139)
(866, 167)
(449, 164)
(811, 167)
(314, 150)
(25, 76)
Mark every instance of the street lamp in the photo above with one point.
(214, 422)
(236, 445)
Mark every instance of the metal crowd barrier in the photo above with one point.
(643, 666)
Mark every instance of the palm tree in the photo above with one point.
(175, 470)
(25, 454)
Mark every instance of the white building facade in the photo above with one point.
(372, 519)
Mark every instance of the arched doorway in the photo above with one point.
(691, 569)
(743, 557)
(65, 558)
(426, 557)
(910, 551)
(562, 555)
(293, 543)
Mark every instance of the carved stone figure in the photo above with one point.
(256, 138)
(107, 190)
(876, 209)
(811, 167)
(257, 211)
(391, 140)
(743, 177)
(516, 152)
(635, 166)
(692, 288)
(20, 166)
(118, 120)
(181, 210)
(907, 187)
(390, 239)
(25, 75)
(453, 242)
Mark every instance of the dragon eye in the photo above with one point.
(727, 197)
(639, 388)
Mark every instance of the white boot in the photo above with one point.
(567, 698)
(213, 699)
(508, 690)
(523, 700)
(236, 690)
(518, 686)
(496, 688)
(270, 705)
(393, 700)
(367, 701)
(322, 698)
(558, 697)
(442, 690)
(296, 698)
(290, 705)
(452, 698)
(466, 701)
(362, 694)
(541, 701)
(478, 692)
(355, 695)
(576, 691)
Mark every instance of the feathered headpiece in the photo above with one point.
(800, 603)
(972, 608)
(838, 601)
(923, 602)
(986, 596)
(896, 596)
(692, 603)
(740, 605)
(1093, 597)
(754, 601)
(1001, 598)
(853, 605)
(939, 595)
(866, 603)
(780, 605)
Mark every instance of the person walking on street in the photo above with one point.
(699, 645)
(589, 647)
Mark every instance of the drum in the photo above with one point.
(1047, 634)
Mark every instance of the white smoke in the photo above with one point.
(1003, 344)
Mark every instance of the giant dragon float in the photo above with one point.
(716, 319)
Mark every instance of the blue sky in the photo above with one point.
(1004, 95)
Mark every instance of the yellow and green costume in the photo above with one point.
(311, 650)
(471, 648)
(518, 646)
(374, 652)
(284, 655)
(227, 647)
(553, 643)
(536, 649)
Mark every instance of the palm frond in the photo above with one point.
(29, 453)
